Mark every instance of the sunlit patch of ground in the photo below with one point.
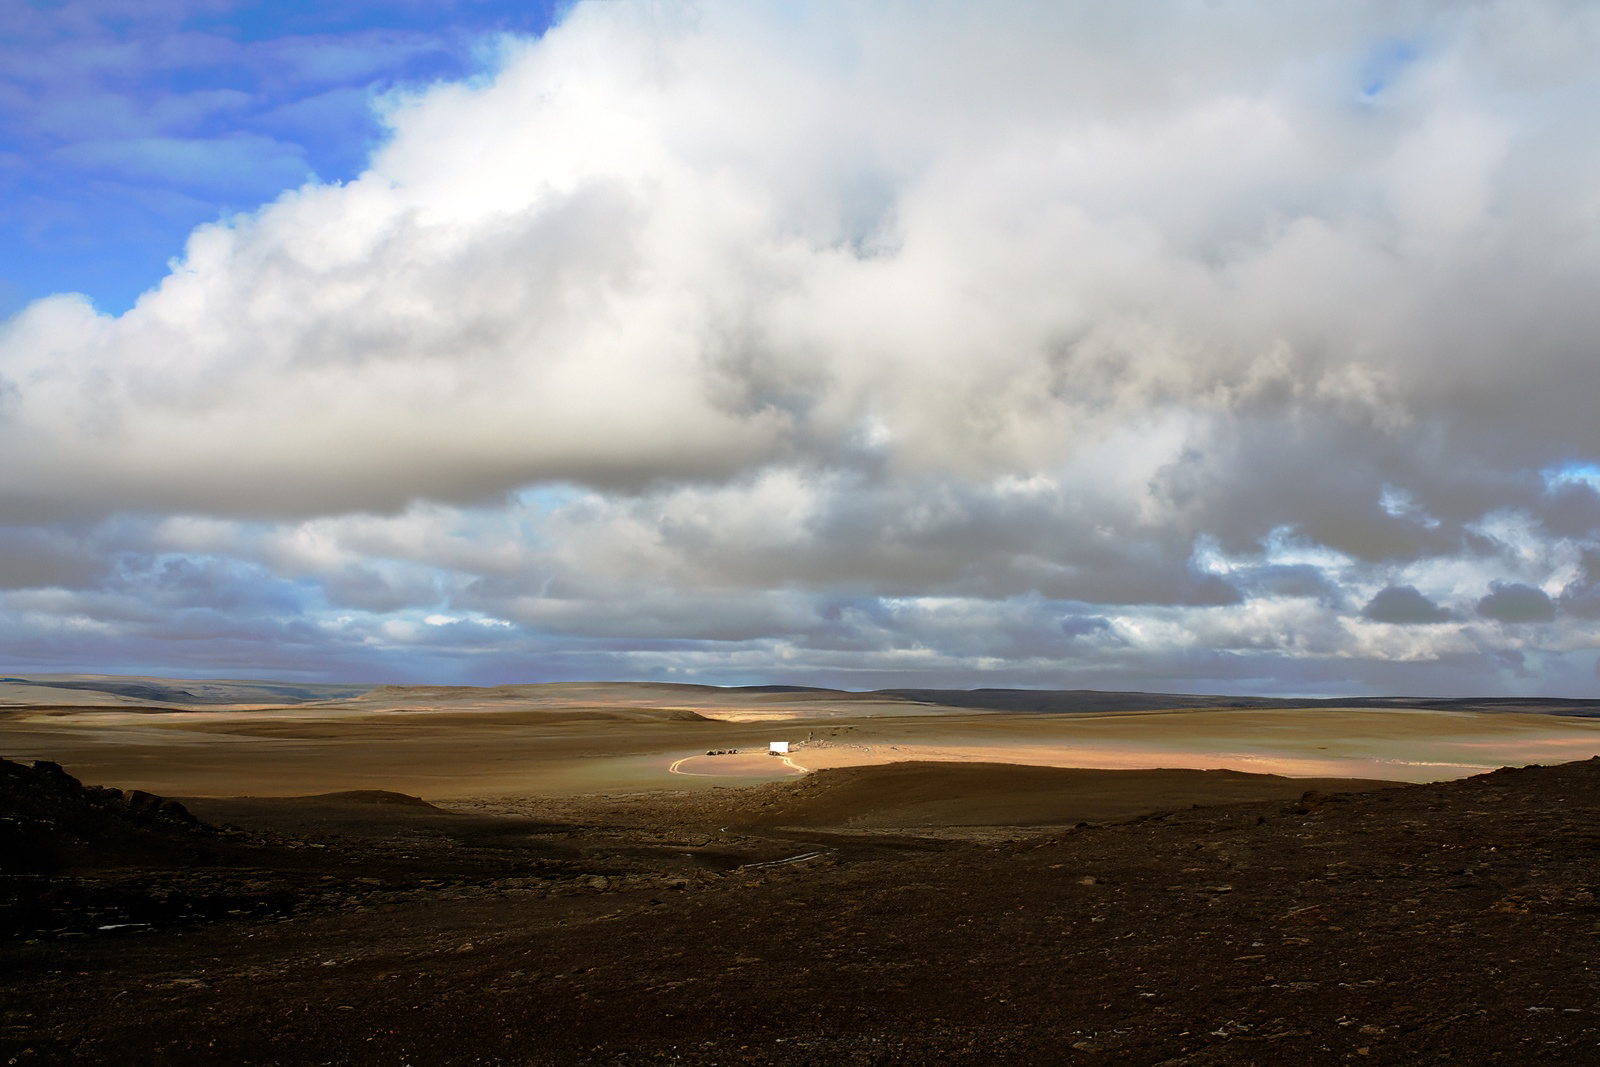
(1147, 756)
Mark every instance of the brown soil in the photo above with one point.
(999, 794)
(825, 921)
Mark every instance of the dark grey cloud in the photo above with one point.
(32, 558)
(1086, 625)
(1515, 602)
(1402, 604)
(1571, 509)
(371, 589)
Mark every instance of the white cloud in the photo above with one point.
(682, 247)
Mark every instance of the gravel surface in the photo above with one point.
(1450, 923)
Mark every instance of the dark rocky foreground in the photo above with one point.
(1452, 923)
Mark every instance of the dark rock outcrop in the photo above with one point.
(49, 820)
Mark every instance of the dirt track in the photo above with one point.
(1447, 923)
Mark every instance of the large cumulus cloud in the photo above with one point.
(837, 324)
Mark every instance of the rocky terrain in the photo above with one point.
(797, 924)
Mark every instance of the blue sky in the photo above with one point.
(1239, 347)
(123, 125)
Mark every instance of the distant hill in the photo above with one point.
(130, 692)
(179, 691)
(1059, 701)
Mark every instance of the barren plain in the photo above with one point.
(619, 874)
(445, 743)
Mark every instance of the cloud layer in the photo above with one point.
(1245, 346)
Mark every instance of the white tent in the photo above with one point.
(778, 748)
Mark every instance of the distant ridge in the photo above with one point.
(1060, 701)
(176, 692)
(781, 689)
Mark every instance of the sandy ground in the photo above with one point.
(1410, 746)
(598, 738)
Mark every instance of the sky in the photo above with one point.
(1235, 347)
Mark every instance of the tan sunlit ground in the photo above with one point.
(554, 740)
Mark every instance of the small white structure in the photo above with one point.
(778, 748)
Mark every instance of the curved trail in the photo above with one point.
(800, 858)
(673, 769)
